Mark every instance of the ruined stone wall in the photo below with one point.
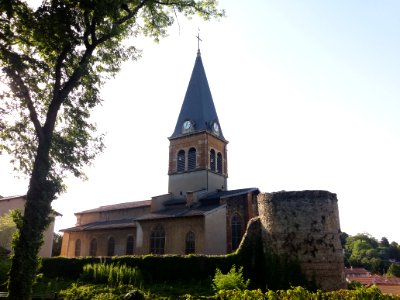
(304, 225)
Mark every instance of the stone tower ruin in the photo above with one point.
(304, 226)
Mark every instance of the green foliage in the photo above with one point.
(112, 275)
(354, 285)
(100, 292)
(233, 280)
(240, 295)
(57, 241)
(62, 267)
(300, 293)
(7, 230)
(49, 286)
(281, 272)
(5, 264)
(394, 270)
(363, 250)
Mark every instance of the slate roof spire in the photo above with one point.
(198, 111)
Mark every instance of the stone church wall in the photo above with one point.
(243, 207)
(175, 234)
(304, 225)
(120, 236)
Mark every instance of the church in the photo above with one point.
(199, 214)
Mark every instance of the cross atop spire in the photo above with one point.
(198, 41)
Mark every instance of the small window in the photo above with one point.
(93, 247)
(77, 248)
(190, 243)
(180, 164)
(212, 160)
(130, 245)
(219, 163)
(237, 231)
(192, 159)
(111, 247)
(157, 240)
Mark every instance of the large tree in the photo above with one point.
(54, 59)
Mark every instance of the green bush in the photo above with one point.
(300, 293)
(100, 292)
(5, 265)
(263, 271)
(240, 295)
(233, 280)
(113, 275)
(62, 267)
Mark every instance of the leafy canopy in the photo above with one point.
(54, 60)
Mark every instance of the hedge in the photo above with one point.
(264, 270)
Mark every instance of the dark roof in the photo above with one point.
(123, 223)
(125, 205)
(179, 212)
(177, 207)
(228, 194)
(198, 106)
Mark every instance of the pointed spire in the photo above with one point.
(198, 111)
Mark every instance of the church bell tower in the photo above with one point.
(197, 151)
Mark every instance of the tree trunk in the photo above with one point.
(36, 218)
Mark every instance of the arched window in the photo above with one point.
(77, 248)
(192, 159)
(93, 247)
(212, 160)
(130, 245)
(180, 164)
(157, 240)
(190, 243)
(110, 246)
(219, 163)
(237, 231)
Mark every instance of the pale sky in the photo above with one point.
(307, 94)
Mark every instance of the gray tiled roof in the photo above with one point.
(206, 204)
(198, 106)
(179, 212)
(177, 209)
(125, 205)
(227, 194)
(123, 223)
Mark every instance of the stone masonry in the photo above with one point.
(304, 225)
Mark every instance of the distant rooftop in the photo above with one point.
(119, 206)
(11, 197)
(122, 223)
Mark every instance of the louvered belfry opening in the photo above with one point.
(212, 160)
(192, 159)
(180, 167)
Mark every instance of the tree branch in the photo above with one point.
(77, 73)
(130, 15)
(58, 66)
(23, 93)
(192, 3)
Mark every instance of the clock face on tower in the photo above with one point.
(187, 126)
(215, 128)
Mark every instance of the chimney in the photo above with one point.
(189, 199)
